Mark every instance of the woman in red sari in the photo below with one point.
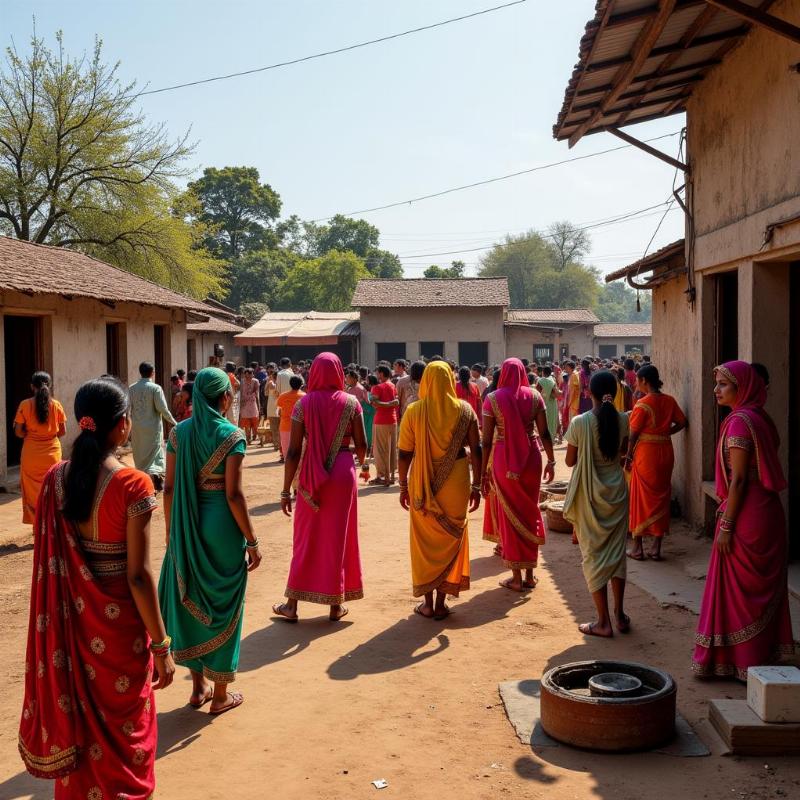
(656, 418)
(744, 618)
(515, 462)
(467, 390)
(88, 717)
(326, 565)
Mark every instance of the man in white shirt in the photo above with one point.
(284, 376)
(478, 378)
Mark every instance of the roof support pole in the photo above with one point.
(626, 137)
(758, 17)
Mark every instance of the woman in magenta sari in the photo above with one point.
(326, 566)
(514, 461)
(744, 619)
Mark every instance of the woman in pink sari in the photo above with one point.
(514, 461)
(326, 566)
(744, 619)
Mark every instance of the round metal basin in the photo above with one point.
(626, 718)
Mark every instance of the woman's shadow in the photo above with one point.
(396, 647)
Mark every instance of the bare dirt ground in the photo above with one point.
(385, 694)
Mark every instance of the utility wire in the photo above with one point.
(622, 218)
(492, 180)
(326, 53)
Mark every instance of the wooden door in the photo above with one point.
(23, 357)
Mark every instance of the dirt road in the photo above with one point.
(385, 694)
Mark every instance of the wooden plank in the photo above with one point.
(626, 137)
(640, 52)
(697, 65)
(759, 17)
(629, 17)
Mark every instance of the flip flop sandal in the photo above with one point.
(236, 700)
(505, 585)
(587, 629)
(277, 609)
(530, 584)
(418, 610)
(445, 615)
(208, 698)
(345, 611)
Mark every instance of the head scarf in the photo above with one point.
(438, 413)
(324, 409)
(204, 440)
(751, 395)
(515, 400)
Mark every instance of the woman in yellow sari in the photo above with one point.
(434, 434)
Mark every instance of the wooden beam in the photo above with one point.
(644, 94)
(697, 65)
(626, 108)
(645, 42)
(626, 137)
(759, 17)
(629, 17)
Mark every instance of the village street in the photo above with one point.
(385, 694)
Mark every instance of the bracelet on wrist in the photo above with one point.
(285, 495)
(161, 648)
(476, 487)
(252, 545)
(551, 463)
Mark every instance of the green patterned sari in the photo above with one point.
(204, 576)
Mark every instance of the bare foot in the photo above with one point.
(623, 623)
(594, 629)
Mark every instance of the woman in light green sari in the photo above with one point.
(597, 501)
(550, 394)
(204, 574)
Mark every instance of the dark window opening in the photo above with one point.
(607, 351)
(470, 353)
(542, 353)
(431, 349)
(390, 351)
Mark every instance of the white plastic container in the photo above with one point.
(774, 693)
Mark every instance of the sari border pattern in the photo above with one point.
(218, 456)
(445, 467)
(642, 526)
(745, 634)
(195, 651)
(516, 521)
(338, 437)
(324, 599)
(53, 766)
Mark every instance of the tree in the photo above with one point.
(257, 275)
(80, 167)
(535, 277)
(238, 208)
(617, 303)
(383, 264)
(253, 312)
(569, 244)
(456, 270)
(323, 284)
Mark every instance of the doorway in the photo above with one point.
(160, 341)
(726, 326)
(793, 445)
(23, 356)
(116, 350)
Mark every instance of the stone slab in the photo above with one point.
(747, 735)
(667, 582)
(774, 693)
(521, 701)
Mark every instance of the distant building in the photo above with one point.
(731, 288)
(619, 339)
(461, 319)
(77, 317)
(548, 334)
(211, 343)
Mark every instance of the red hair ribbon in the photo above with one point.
(87, 424)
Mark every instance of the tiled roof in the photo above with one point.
(428, 292)
(550, 316)
(40, 269)
(214, 325)
(623, 329)
(669, 253)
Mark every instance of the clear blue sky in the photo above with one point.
(423, 113)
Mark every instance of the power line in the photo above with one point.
(337, 51)
(492, 180)
(623, 218)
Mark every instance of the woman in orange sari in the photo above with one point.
(40, 422)
(436, 491)
(96, 639)
(656, 417)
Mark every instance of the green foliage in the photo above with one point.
(617, 303)
(383, 264)
(345, 233)
(253, 312)
(456, 270)
(536, 277)
(323, 284)
(238, 209)
(80, 167)
(257, 275)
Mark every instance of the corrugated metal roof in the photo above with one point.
(661, 258)
(600, 94)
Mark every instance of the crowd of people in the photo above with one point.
(105, 633)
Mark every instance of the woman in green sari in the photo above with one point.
(550, 393)
(597, 501)
(204, 574)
